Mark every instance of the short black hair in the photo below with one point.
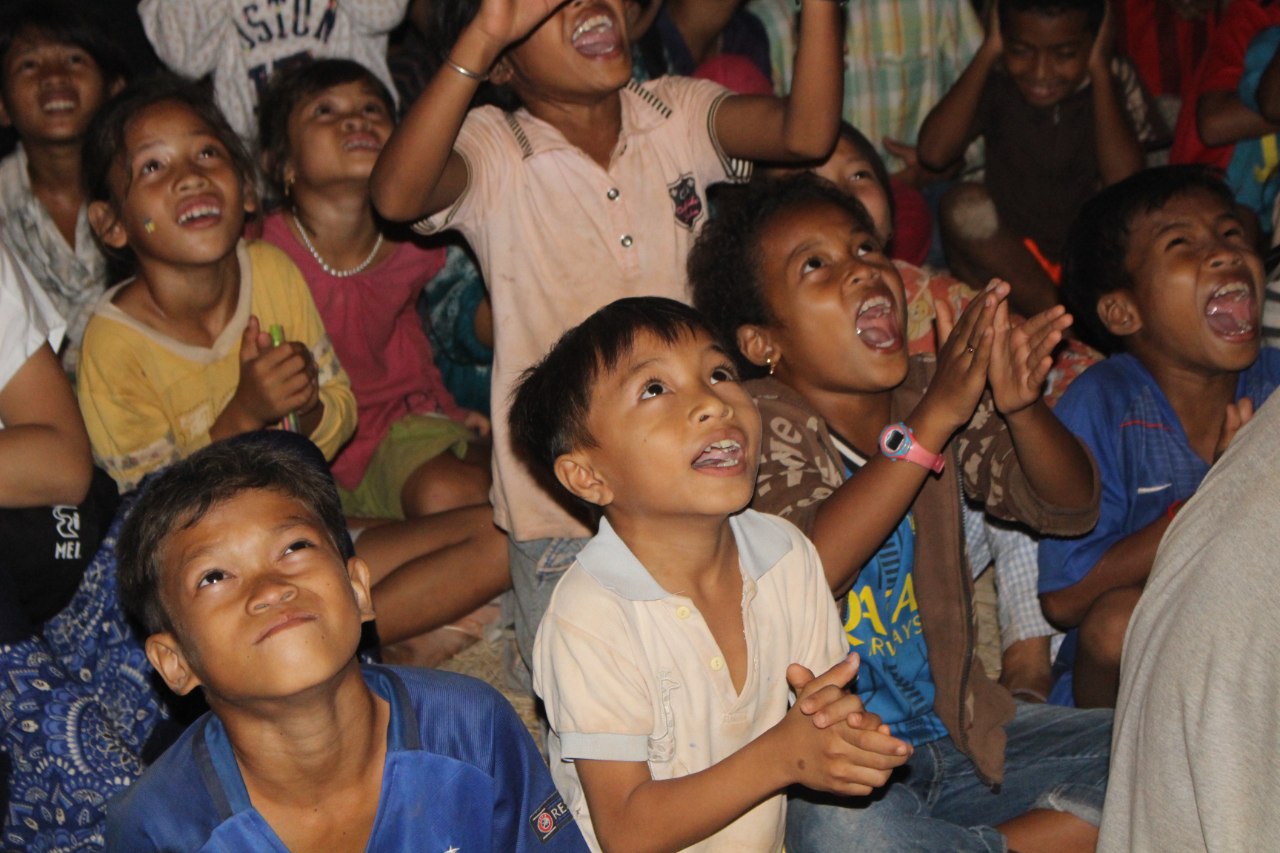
(63, 22)
(725, 269)
(1093, 10)
(447, 20)
(551, 402)
(1098, 241)
(291, 86)
(182, 494)
(104, 143)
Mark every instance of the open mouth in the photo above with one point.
(362, 142)
(877, 324)
(1232, 310)
(725, 453)
(596, 35)
(200, 213)
(58, 105)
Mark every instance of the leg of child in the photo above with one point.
(979, 248)
(1096, 676)
(429, 572)
(446, 482)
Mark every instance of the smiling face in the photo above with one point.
(336, 135)
(675, 435)
(51, 89)
(261, 603)
(578, 54)
(1047, 55)
(1197, 290)
(182, 199)
(836, 301)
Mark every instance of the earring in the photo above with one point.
(769, 363)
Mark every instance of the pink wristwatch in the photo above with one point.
(898, 442)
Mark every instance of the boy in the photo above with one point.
(1052, 138)
(1160, 271)
(593, 190)
(56, 70)
(237, 562)
(663, 653)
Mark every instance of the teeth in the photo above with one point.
(874, 302)
(723, 444)
(57, 106)
(197, 212)
(1228, 289)
(594, 22)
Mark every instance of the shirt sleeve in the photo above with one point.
(825, 645)
(375, 17)
(187, 34)
(488, 150)
(28, 319)
(597, 699)
(699, 101)
(796, 472)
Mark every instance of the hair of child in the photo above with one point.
(181, 495)
(1093, 10)
(725, 265)
(290, 87)
(63, 22)
(446, 22)
(552, 400)
(1098, 242)
(104, 144)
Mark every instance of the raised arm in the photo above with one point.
(948, 129)
(1222, 118)
(418, 172)
(1118, 151)
(802, 125)
(42, 425)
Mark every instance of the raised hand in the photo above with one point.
(1022, 355)
(504, 22)
(1236, 416)
(274, 381)
(1103, 45)
(964, 355)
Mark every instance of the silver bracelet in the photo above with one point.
(466, 72)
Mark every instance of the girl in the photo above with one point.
(323, 125)
(795, 277)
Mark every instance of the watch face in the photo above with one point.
(894, 440)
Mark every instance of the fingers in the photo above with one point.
(250, 346)
(832, 705)
(838, 676)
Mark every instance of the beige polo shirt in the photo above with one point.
(558, 237)
(630, 672)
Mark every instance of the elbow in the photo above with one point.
(1059, 609)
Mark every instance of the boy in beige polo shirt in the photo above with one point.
(667, 653)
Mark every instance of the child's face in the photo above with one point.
(336, 135)
(261, 603)
(1197, 286)
(51, 90)
(1047, 55)
(849, 169)
(838, 302)
(182, 199)
(675, 434)
(581, 51)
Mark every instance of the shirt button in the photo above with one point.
(626, 241)
(682, 612)
(717, 664)
(612, 194)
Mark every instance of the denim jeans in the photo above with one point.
(1056, 758)
(536, 568)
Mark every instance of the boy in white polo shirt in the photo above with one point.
(667, 652)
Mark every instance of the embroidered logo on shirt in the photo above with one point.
(550, 818)
(684, 195)
(1151, 490)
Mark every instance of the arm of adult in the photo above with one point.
(44, 449)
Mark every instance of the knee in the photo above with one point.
(1103, 628)
(439, 487)
(967, 212)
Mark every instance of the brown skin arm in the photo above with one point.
(42, 423)
(946, 131)
(1223, 119)
(1118, 151)
(1269, 91)
(1126, 563)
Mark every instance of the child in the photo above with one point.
(638, 411)
(236, 561)
(796, 276)
(180, 355)
(242, 45)
(1162, 273)
(593, 190)
(56, 69)
(1052, 138)
(323, 125)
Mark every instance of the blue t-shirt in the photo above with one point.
(882, 624)
(1144, 460)
(461, 773)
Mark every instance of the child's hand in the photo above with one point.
(993, 39)
(477, 423)
(1237, 415)
(964, 356)
(505, 22)
(1022, 355)
(274, 381)
(1103, 46)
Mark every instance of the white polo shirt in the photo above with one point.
(630, 672)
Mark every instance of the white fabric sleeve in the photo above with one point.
(28, 319)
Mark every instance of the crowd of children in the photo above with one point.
(750, 448)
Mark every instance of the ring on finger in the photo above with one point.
(969, 350)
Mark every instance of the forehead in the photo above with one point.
(1193, 204)
(164, 121)
(794, 225)
(249, 510)
(359, 88)
(648, 347)
(1036, 27)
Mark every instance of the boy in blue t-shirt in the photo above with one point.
(237, 561)
(1160, 270)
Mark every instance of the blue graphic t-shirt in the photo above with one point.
(882, 624)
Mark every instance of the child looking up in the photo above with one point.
(180, 354)
(594, 189)
(638, 411)
(796, 276)
(56, 69)
(237, 562)
(1055, 118)
(1162, 274)
(323, 125)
